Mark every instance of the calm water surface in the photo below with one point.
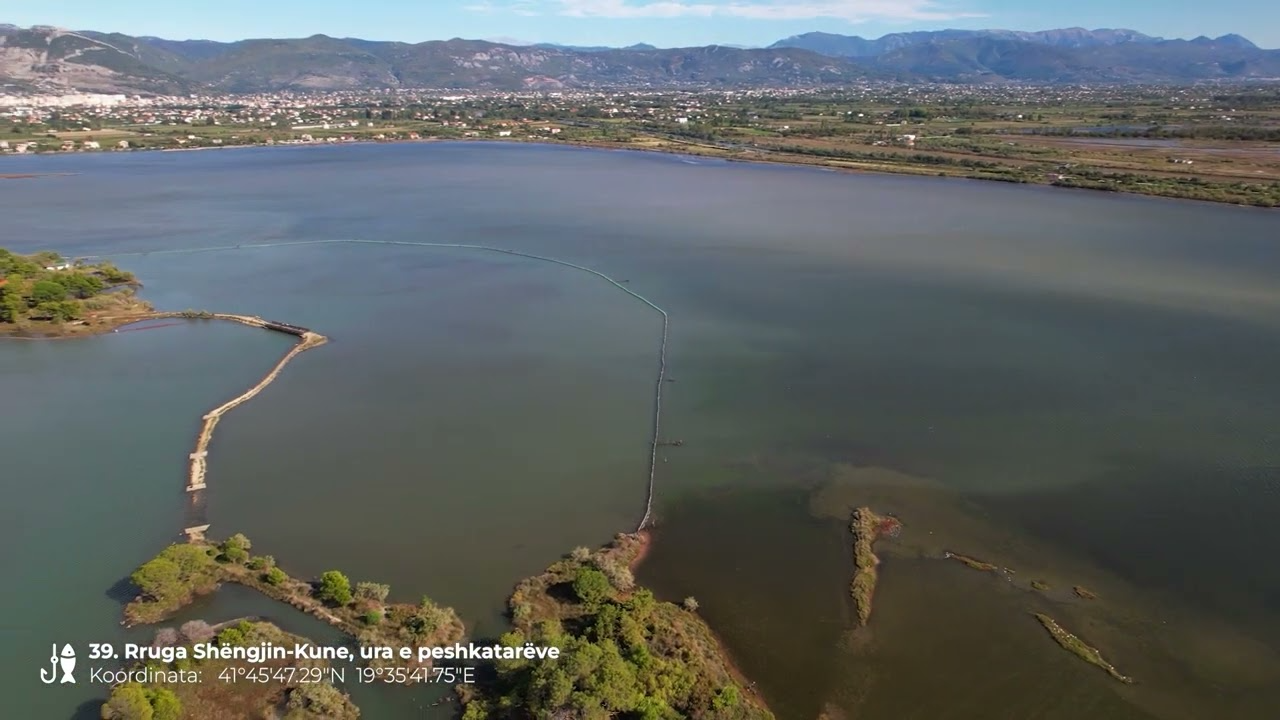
(1080, 385)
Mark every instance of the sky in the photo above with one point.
(665, 23)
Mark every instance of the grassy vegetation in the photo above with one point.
(47, 294)
(623, 653)
(1079, 648)
(292, 694)
(973, 563)
(866, 527)
(180, 573)
(1205, 147)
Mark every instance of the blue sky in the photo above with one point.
(666, 23)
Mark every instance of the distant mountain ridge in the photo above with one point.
(57, 60)
(594, 48)
(51, 59)
(860, 47)
(1074, 55)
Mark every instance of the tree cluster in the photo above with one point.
(29, 291)
(623, 654)
(168, 580)
(132, 701)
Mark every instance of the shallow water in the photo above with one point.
(1083, 373)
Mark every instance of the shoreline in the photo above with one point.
(102, 326)
(761, 157)
(643, 540)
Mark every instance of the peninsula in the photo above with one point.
(183, 572)
(46, 295)
(624, 653)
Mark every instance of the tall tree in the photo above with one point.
(334, 588)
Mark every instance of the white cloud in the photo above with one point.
(853, 11)
(527, 8)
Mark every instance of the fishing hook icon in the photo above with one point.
(49, 676)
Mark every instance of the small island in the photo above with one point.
(1084, 593)
(46, 295)
(867, 527)
(971, 562)
(1080, 648)
(624, 653)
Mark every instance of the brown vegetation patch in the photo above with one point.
(867, 527)
(1079, 648)
(1084, 593)
(971, 562)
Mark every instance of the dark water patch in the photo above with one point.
(1197, 530)
(769, 578)
(772, 580)
(88, 710)
(122, 591)
(977, 386)
(946, 642)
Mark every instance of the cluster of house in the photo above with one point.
(21, 148)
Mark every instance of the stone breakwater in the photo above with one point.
(196, 477)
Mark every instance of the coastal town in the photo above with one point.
(1210, 142)
(45, 123)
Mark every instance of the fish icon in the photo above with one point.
(68, 663)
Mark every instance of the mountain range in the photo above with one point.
(858, 47)
(56, 60)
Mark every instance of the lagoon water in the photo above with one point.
(1079, 386)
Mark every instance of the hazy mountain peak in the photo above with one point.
(1236, 41)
